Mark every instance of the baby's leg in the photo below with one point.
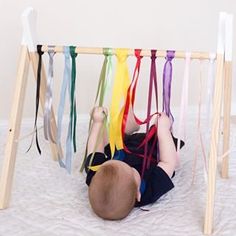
(154, 119)
(168, 154)
(131, 125)
(94, 144)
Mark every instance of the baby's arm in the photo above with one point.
(168, 154)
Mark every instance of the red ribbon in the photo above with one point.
(130, 98)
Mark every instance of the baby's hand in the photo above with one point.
(164, 122)
(98, 114)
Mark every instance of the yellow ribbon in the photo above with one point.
(120, 87)
(94, 168)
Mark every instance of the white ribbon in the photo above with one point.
(184, 103)
(209, 93)
(199, 137)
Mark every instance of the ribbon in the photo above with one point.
(119, 153)
(152, 81)
(101, 91)
(184, 103)
(73, 114)
(107, 84)
(167, 79)
(103, 76)
(130, 98)
(131, 93)
(94, 168)
(120, 87)
(39, 69)
(65, 86)
(102, 84)
(48, 99)
(209, 93)
(199, 133)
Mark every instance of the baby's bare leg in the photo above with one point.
(131, 125)
(94, 144)
(168, 154)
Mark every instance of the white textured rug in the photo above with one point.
(48, 201)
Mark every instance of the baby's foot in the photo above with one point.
(98, 114)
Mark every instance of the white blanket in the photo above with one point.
(47, 201)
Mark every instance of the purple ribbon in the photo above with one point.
(167, 78)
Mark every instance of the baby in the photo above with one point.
(116, 187)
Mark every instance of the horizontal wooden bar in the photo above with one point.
(144, 52)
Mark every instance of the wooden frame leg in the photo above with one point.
(209, 213)
(14, 129)
(15, 123)
(226, 118)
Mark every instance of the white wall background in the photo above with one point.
(181, 25)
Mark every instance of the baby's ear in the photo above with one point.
(138, 197)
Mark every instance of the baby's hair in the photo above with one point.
(111, 196)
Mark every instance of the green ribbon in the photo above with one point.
(101, 92)
(73, 115)
(106, 67)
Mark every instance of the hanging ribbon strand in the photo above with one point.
(120, 87)
(48, 99)
(39, 69)
(152, 82)
(199, 140)
(184, 103)
(208, 109)
(66, 84)
(107, 84)
(101, 91)
(102, 84)
(167, 79)
(73, 114)
(209, 94)
(131, 93)
(103, 76)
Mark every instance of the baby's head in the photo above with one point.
(114, 190)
